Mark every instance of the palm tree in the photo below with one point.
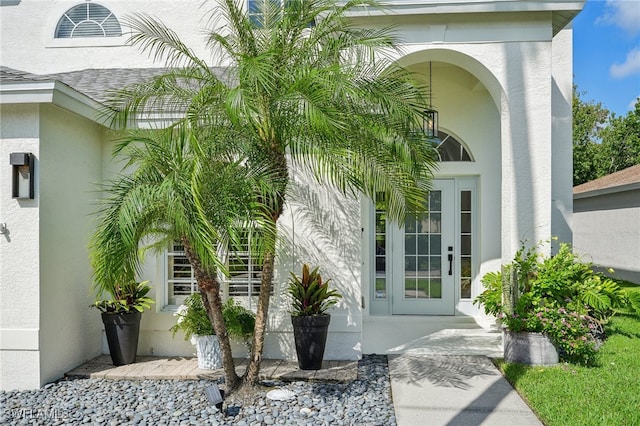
(303, 88)
(169, 196)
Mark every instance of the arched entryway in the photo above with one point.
(430, 265)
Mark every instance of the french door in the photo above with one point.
(426, 264)
(423, 257)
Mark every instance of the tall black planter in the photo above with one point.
(310, 334)
(122, 331)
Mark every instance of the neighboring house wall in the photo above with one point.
(606, 229)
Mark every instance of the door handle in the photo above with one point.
(450, 263)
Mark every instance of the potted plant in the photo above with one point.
(310, 299)
(121, 314)
(551, 308)
(194, 321)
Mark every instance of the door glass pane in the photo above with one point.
(435, 222)
(380, 291)
(435, 201)
(381, 288)
(380, 223)
(410, 223)
(465, 222)
(466, 244)
(422, 291)
(435, 289)
(421, 226)
(423, 244)
(465, 201)
(436, 266)
(436, 244)
(465, 266)
(410, 266)
(465, 288)
(423, 266)
(410, 291)
(410, 244)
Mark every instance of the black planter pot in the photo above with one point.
(310, 334)
(122, 331)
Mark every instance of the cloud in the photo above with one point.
(629, 67)
(622, 13)
(632, 104)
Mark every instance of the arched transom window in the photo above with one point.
(88, 20)
(451, 149)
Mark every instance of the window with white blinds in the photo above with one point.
(88, 20)
(245, 272)
(181, 281)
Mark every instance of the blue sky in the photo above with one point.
(606, 53)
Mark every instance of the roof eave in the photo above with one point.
(563, 11)
(53, 92)
(606, 191)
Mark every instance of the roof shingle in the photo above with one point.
(95, 83)
(623, 177)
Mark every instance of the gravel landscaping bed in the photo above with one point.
(365, 401)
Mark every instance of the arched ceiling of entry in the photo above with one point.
(466, 62)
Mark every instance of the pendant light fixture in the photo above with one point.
(430, 115)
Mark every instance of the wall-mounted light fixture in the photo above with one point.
(23, 182)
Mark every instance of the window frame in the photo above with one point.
(227, 284)
(52, 24)
(67, 16)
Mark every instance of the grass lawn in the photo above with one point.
(607, 394)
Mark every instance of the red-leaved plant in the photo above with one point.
(309, 294)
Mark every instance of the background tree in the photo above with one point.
(620, 146)
(589, 118)
(603, 143)
(302, 88)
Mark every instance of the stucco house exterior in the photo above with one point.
(501, 74)
(606, 222)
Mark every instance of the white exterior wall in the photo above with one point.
(319, 227)
(19, 256)
(32, 24)
(562, 146)
(526, 146)
(606, 231)
(70, 166)
(46, 326)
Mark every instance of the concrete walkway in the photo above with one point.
(444, 376)
(454, 390)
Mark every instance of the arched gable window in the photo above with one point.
(88, 20)
(451, 149)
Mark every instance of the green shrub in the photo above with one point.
(560, 296)
(193, 319)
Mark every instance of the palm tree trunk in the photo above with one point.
(274, 207)
(251, 375)
(210, 291)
